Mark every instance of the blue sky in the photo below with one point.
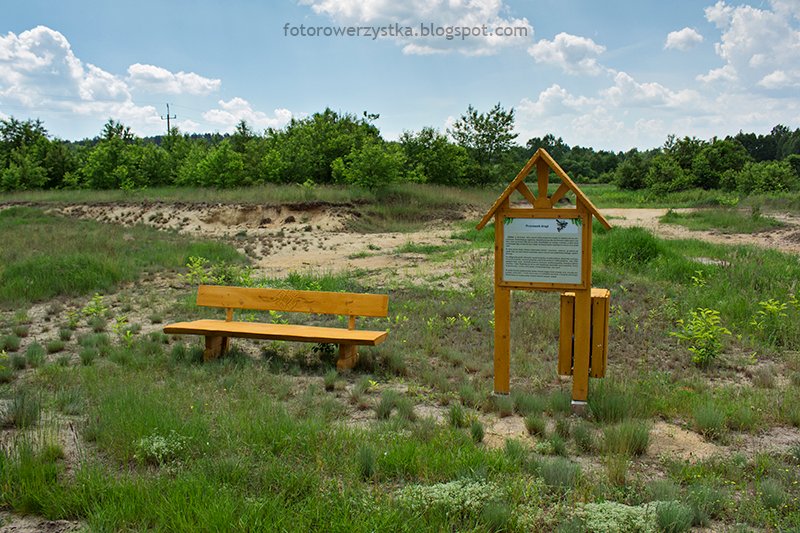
(610, 75)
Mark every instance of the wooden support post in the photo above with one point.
(583, 324)
(502, 341)
(215, 347)
(348, 356)
(502, 317)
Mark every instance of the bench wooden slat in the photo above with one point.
(284, 332)
(333, 303)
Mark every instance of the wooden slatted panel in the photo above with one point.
(600, 309)
(566, 330)
(328, 303)
(282, 332)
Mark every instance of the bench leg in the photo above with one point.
(348, 356)
(215, 347)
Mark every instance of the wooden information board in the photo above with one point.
(543, 248)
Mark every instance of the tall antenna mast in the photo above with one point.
(167, 118)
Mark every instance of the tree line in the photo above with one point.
(346, 149)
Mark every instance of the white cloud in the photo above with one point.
(683, 40)
(481, 18)
(599, 124)
(554, 102)
(575, 55)
(755, 43)
(628, 93)
(238, 109)
(726, 73)
(159, 80)
(780, 79)
(651, 129)
(38, 67)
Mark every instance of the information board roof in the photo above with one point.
(541, 156)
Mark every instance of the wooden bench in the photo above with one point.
(218, 332)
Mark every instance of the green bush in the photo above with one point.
(762, 177)
(704, 333)
(628, 247)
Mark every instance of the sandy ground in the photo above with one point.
(313, 235)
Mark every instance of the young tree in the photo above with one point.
(373, 166)
(431, 158)
(486, 136)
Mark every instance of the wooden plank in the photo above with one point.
(282, 332)
(329, 303)
(540, 213)
(526, 193)
(580, 364)
(559, 194)
(566, 330)
(542, 177)
(600, 309)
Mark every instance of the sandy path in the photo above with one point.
(785, 239)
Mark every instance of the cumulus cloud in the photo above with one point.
(159, 80)
(232, 112)
(756, 43)
(555, 101)
(39, 69)
(574, 54)
(598, 124)
(780, 79)
(629, 93)
(726, 73)
(38, 66)
(683, 40)
(489, 32)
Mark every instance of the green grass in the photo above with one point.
(727, 220)
(45, 256)
(169, 442)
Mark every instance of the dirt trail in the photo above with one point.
(785, 238)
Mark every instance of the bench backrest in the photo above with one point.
(327, 303)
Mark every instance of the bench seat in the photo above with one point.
(281, 332)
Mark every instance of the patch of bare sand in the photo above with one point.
(667, 439)
(32, 524)
(784, 238)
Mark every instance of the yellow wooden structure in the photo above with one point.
(523, 277)
(598, 357)
(218, 332)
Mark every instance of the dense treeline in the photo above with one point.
(343, 148)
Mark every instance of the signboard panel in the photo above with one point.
(542, 250)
